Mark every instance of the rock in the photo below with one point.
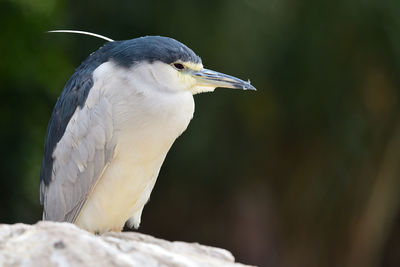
(64, 244)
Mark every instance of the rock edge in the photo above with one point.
(64, 244)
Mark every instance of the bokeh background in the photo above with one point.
(303, 172)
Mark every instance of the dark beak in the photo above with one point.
(210, 78)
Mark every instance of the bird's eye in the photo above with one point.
(178, 66)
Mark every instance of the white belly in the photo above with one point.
(144, 135)
(122, 191)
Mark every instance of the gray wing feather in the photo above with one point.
(80, 157)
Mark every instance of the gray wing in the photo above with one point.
(80, 142)
(79, 159)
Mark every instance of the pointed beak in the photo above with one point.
(210, 78)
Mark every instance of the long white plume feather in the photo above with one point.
(86, 33)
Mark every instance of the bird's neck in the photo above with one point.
(144, 117)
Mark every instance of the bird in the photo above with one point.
(113, 125)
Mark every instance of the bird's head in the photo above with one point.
(168, 65)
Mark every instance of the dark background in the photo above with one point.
(303, 172)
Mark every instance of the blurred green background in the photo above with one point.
(303, 172)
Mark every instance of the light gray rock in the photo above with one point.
(64, 244)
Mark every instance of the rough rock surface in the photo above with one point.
(64, 244)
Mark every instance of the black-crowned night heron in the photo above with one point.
(113, 125)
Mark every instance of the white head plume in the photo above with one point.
(85, 33)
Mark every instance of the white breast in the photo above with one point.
(146, 123)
